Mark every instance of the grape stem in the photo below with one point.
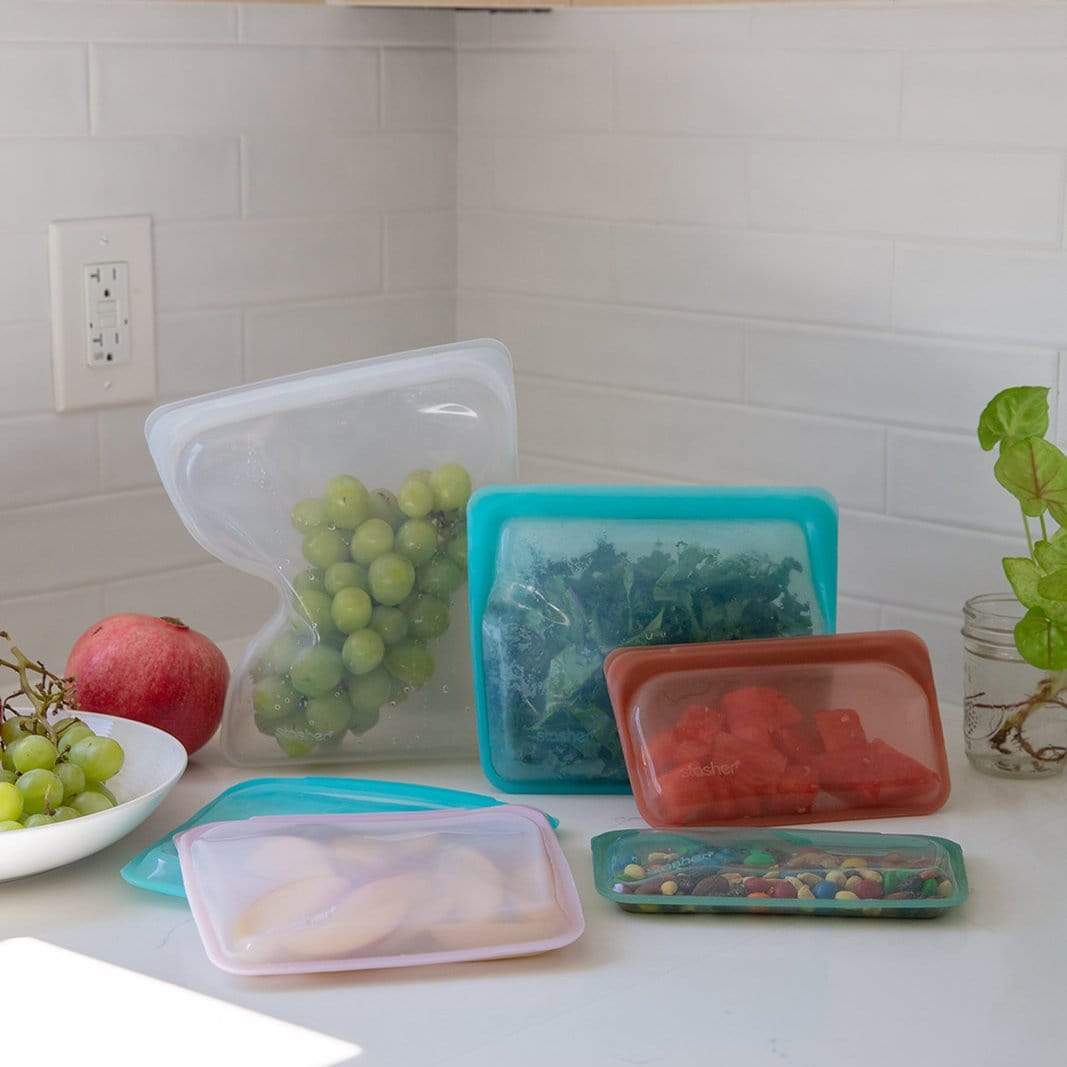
(50, 693)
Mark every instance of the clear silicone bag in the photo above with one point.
(346, 487)
(156, 868)
(561, 575)
(292, 894)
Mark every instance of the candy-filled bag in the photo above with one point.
(346, 488)
(300, 893)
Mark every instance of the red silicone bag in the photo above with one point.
(791, 730)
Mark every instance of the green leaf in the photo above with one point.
(1051, 555)
(1035, 473)
(1054, 586)
(1041, 642)
(1012, 415)
(1025, 576)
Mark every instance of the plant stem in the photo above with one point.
(1029, 537)
(1044, 528)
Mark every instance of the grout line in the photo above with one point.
(92, 79)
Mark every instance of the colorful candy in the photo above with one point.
(762, 874)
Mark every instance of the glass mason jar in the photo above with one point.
(1015, 716)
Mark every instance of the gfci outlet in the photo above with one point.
(103, 312)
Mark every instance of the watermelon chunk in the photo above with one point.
(799, 742)
(875, 774)
(797, 789)
(849, 775)
(699, 722)
(692, 794)
(903, 779)
(751, 771)
(757, 713)
(840, 729)
(666, 750)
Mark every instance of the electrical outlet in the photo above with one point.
(103, 313)
(107, 301)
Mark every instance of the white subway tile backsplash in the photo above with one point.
(89, 177)
(696, 228)
(942, 636)
(961, 194)
(919, 565)
(420, 250)
(774, 275)
(125, 462)
(910, 26)
(220, 264)
(31, 20)
(666, 179)
(1010, 296)
(91, 540)
(302, 174)
(47, 457)
(856, 616)
(198, 352)
(759, 93)
(665, 351)
(24, 276)
(44, 89)
(215, 599)
(291, 24)
(46, 626)
(701, 442)
(948, 479)
(535, 90)
(474, 171)
(282, 340)
(25, 367)
(1002, 98)
(577, 28)
(937, 384)
(549, 470)
(541, 256)
(231, 89)
(419, 89)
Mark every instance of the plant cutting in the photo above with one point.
(1027, 733)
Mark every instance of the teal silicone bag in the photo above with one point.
(157, 868)
(560, 575)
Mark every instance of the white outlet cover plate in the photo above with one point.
(73, 245)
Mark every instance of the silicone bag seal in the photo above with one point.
(698, 859)
(305, 893)
(235, 463)
(798, 730)
(157, 869)
(515, 530)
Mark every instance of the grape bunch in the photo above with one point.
(383, 571)
(51, 773)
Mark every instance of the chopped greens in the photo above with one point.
(546, 636)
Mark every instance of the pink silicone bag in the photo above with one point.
(288, 894)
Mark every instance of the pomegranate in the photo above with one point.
(153, 670)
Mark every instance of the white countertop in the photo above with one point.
(984, 985)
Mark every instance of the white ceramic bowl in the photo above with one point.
(154, 762)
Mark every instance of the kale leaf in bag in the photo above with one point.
(547, 631)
